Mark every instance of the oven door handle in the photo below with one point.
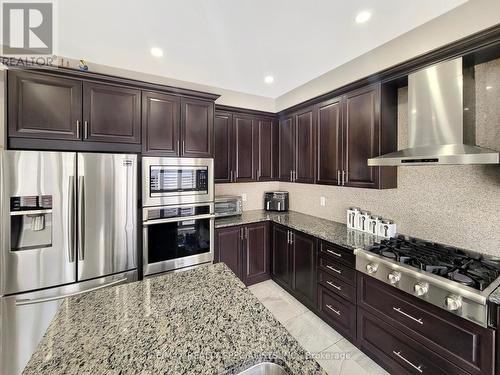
(179, 218)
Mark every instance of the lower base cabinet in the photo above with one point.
(245, 250)
(338, 312)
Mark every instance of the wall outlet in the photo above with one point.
(244, 197)
(322, 201)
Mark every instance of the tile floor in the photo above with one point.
(334, 353)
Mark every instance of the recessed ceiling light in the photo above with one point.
(363, 16)
(156, 52)
(489, 87)
(268, 79)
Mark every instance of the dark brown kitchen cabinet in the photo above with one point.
(294, 263)
(223, 146)
(160, 124)
(244, 148)
(265, 148)
(44, 106)
(197, 124)
(329, 141)
(111, 113)
(305, 132)
(245, 250)
(286, 136)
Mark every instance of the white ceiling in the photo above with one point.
(234, 44)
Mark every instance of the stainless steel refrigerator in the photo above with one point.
(68, 226)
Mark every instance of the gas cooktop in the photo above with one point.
(465, 267)
(457, 280)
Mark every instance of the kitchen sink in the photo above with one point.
(265, 368)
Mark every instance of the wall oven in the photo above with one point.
(169, 181)
(177, 236)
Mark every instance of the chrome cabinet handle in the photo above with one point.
(85, 129)
(183, 147)
(334, 269)
(397, 309)
(343, 178)
(333, 285)
(72, 220)
(288, 236)
(22, 302)
(334, 253)
(81, 221)
(241, 233)
(291, 176)
(246, 232)
(335, 311)
(178, 147)
(418, 368)
(292, 235)
(338, 177)
(78, 129)
(176, 219)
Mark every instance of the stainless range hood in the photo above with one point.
(436, 121)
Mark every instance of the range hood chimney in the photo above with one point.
(436, 121)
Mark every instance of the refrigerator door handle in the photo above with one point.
(81, 218)
(23, 302)
(72, 220)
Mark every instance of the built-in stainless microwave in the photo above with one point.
(177, 181)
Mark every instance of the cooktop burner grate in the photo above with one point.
(466, 268)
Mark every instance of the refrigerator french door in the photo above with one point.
(68, 226)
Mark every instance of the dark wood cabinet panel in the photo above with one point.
(243, 140)
(42, 106)
(160, 124)
(111, 113)
(361, 136)
(338, 253)
(329, 140)
(337, 286)
(197, 124)
(256, 256)
(286, 136)
(472, 347)
(281, 262)
(264, 149)
(338, 312)
(305, 134)
(228, 248)
(223, 146)
(304, 266)
(337, 269)
(397, 352)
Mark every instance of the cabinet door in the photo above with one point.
(281, 265)
(286, 137)
(304, 147)
(244, 137)
(329, 140)
(111, 113)
(361, 136)
(304, 266)
(264, 149)
(42, 106)
(197, 128)
(255, 265)
(228, 248)
(222, 151)
(160, 124)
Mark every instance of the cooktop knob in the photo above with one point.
(453, 302)
(394, 277)
(421, 288)
(372, 267)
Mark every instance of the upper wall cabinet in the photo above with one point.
(197, 128)
(161, 124)
(44, 106)
(111, 113)
(286, 140)
(245, 147)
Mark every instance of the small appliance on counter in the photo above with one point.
(365, 221)
(228, 205)
(276, 201)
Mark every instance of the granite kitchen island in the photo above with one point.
(201, 321)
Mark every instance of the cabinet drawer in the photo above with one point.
(339, 313)
(338, 253)
(458, 340)
(337, 286)
(339, 270)
(399, 353)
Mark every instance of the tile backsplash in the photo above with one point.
(456, 205)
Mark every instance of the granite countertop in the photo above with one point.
(324, 229)
(201, 321)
